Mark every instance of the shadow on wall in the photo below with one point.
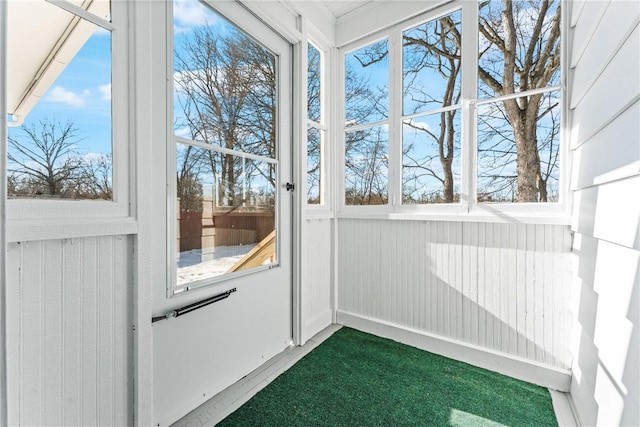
(484, 327)
(518, 303)
(500, 286)
(606, 380)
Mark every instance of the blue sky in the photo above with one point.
(81, 94)
(188, 15)
(424, 91)
(422, 146)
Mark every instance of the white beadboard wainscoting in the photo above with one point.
(69, 340)
(491, 294)
(316, 276)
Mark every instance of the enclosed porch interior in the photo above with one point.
(543, 290)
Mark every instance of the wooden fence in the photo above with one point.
(214, 227)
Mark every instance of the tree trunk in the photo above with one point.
(447, 159)
(527, 165)
(51, 181)
(52, 188)
(526, 140)
(448, 182)
(229, 169)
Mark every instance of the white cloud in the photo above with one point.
(64, 96)
(188, 13)
(418, 125)
(101, 31)
(184, 132)
(105, 91)
(92, 157)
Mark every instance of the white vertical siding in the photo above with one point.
(604, 94)
(316, 276)
(504, 287)
(69, 336)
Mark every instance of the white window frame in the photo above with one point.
(39, 219)
(342, 129)
(326, 209)
(322, 128)
(468, 209)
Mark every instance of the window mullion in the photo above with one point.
(515, 95)
(395, 118)
(339, 129)
(83, 13)
(469, 59)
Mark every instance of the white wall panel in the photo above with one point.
(504, 287)
(576, 10)
(590, 13)
(604, 100)
(600, 214)
(317, 268)
(605, 386)
(610, 154)
(612, 30)
(70, 340)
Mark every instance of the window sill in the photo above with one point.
(317, 214)
(24, 230)
(477, 214)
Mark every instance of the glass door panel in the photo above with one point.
(225, 92)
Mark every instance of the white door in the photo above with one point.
(229, 222)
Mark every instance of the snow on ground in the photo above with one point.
(194, 265)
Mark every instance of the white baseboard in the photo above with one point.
(316, 324)
(526, 370)
(564, 409)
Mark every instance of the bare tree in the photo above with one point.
(366, 166)
(314, 138)
(189, 188)
(434, 46)
(228, 97)
(520, 51)
(313, 165)
(366, 149)
(45, 156)
(94, 177)
(259, 117)
(190, 193)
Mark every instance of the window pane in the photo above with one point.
(431, 159)
(225, 95)
(314, 135)
(431, 64)
(314, 169)
(367, 166)
(519, 166)
(60, 123)
(367, 84)
(314, 79)
(225, 83)
(225, 220)
(519, 48)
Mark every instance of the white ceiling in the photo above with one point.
(339, 8)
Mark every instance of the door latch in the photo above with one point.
(289, 186)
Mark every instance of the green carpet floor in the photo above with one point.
(357, 379)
